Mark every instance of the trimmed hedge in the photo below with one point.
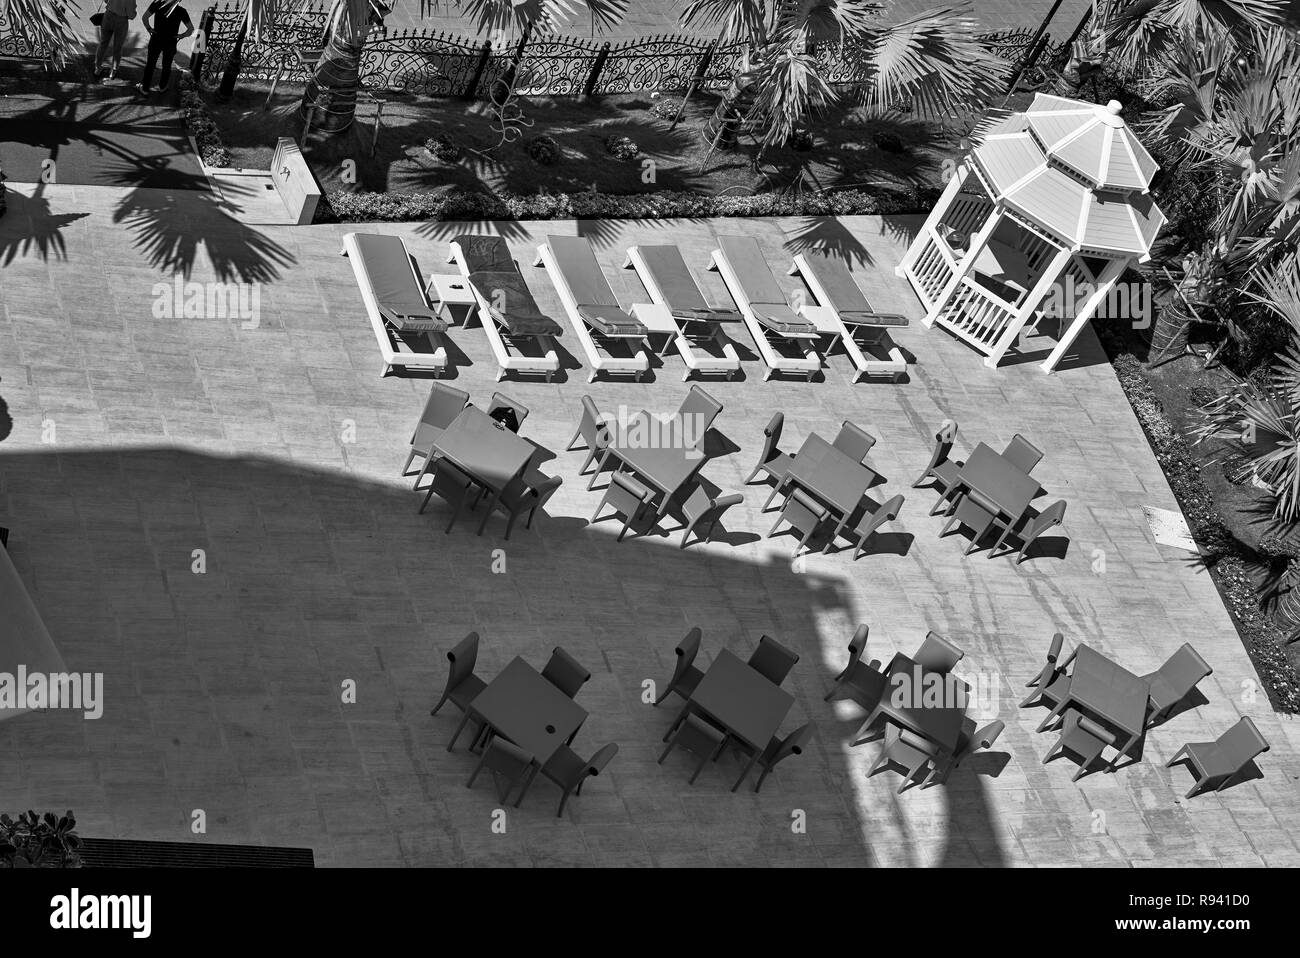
(201, 125)
(1225, 556)
(356, 207)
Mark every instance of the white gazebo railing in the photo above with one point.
(977, 315)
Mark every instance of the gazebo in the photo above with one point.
(1041, 219)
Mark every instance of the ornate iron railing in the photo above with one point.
(441, 64)
(20, 43)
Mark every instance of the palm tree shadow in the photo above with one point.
(831, 235)
(30, 226)
(6, 420)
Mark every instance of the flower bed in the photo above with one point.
(201, 125)
(1264, 642)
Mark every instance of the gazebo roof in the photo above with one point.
(1037, 164)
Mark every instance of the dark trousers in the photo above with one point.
(159, 48)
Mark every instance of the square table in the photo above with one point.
(528, 710)
(667, 466)
(447, 290)
(996, 478)
(906, 706)
(827, 321)
(1004, 264)
(831, 476)
(658, 321)
(744, 702)
(490, 453)
(1109, 692)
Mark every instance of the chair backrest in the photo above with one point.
(890, 508)
(506, 758)
(1085, 724)
(444, 404)
(596, 764)
(686, 651)
(1022, 453)
(502, 401)
(1184, 668)
(462, 658)
(633, 492)
(986, 736)
(803, 511)
(772, 660)
(545, 489)
(1054, 650)
(853, 442)
(1242, 742)
(700, 407)
(772, 436)
(858, 643)
(1053, 515)
(594, 431)
(943, 440)
(565, 673)
(937, 654)
(792, 744)
(912, 740)
(447, 473)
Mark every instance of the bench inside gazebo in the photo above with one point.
(1041, 220)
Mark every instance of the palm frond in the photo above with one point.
(47, 26)
(511, 16)
(788, 90)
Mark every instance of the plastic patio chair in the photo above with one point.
(1083, 738)
(976, 513)
(1217, 764)
(804, 513)
(594, 433)
(1173, 682)
(1030, 527)
(565, 672)
(501, 403)
(776, 751)
(696, 735)
(969, 742)
(505, 759)
(866, 528)
(772, 462)
(853, 441)
(941, 470)
(462, 683)
(685, 675)
(772, 660)
(905, 750)
(863, 683)
(452, 485)
(442, 407)
(570, 771)
(628, 498)
(699, 403)
(1051, 686)
(1022, 454)
(700, 509)
(937, 654)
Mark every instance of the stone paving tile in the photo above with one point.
(224, 690)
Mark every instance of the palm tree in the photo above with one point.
(46, 26)
(932, 60)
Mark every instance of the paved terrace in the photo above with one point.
(223, 690)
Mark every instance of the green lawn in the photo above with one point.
(845, 153)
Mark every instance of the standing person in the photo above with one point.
(118, 15)
(171, 24)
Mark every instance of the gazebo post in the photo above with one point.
(941, 207)
(964, 265)
(1046, 280)
(1105, 283)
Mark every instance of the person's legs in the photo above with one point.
(165, 80)
(151, 60)
(105, 37)
(119, 38)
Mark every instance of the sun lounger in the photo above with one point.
(407, 327)
(765, 310)
(520, 334)
(865, 335)
(700, 338)
(597, 319)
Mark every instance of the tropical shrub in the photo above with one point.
(543, 150)
(443, 147)
(39, 841)
(621, 147)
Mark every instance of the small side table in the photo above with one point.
(446, 290)
(827, 322)
(658, 321)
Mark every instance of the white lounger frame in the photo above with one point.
(499, 338)
(892, 368)
(394, 351)
(810, 361)
(696, 361)
(638, 364)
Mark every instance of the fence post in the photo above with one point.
(597, 65)
(471, 89)
(700, 70)
(206, 22)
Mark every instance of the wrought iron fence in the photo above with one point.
(440, 64)
(18, 42)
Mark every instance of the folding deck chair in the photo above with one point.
(700, 338)
(865, 331)
(765, 310)
(594, 312)
(520, 334)
(408, 329)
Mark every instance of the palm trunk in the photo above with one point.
(330, 101)
(724, 125)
